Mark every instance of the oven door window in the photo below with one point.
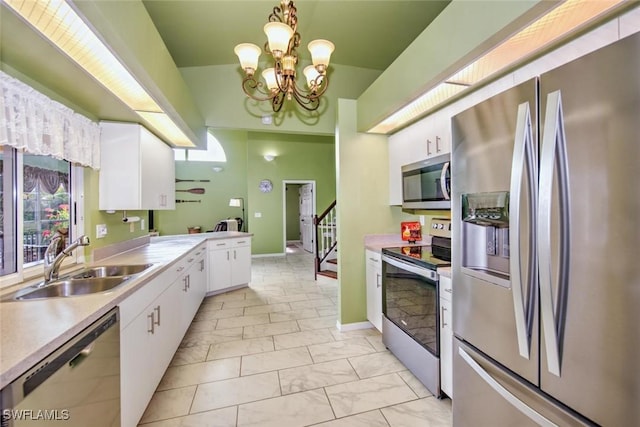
(410, 301)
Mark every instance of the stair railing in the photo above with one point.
(326, 234)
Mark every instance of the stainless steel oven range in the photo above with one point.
(410, 303)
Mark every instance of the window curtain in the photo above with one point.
(49, 180)
(38, 125)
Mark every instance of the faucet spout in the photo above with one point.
(51, 267)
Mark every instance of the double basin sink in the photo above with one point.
(89, 280)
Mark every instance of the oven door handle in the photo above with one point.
(423, 272)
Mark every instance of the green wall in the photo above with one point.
(293, 211)
(299, 157)
(214, 204)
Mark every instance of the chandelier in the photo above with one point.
(282, 44)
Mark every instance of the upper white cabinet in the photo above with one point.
(137, 169)
(427, 138)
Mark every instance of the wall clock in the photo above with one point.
(266, 186)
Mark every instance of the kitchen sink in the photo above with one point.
(89, 280)
(111, 271)
(71, 287)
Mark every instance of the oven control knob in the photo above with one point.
(434, 226)
(440, 226)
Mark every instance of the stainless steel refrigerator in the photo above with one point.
(546, 253)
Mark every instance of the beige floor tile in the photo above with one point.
(169, 404)
(279, 328)
(237, 322)
(218, 314)
(211, 337)
(371, 365)
(312, 303)
(365, 395)
(318, 323)
(427, 412)
(340, 349)
(203, 325)
(240, 348)
(315, 376)
(225, 417)
(267, 308)
(235, 391)
(186, 355)
(274, 360)
(283, 316)
(418, 388)
(327, 311)
(368, 419)
(376, 342)
(300, 409)
(299, 339)
(197, 373)
(288, 298)
(244, 303)
(358, 333)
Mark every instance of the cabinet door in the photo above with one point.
(157, 173)
(140, 370)
(241, 265)
(219, 269)
(446, 348)
(374, 288)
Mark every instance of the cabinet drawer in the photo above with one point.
(446, 289)
(229, 243)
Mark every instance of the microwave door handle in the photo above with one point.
(443, 181)
(522, 157)
(553, 153)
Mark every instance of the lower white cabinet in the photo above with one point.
(446, 337)
(229, 263)
(374, 288)
(150, 334)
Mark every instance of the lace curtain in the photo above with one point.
(38, 125)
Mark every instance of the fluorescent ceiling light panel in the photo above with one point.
(165, 126)
(562, 20)
(60, 24)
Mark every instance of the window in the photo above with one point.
(36, 203)
(213, 153)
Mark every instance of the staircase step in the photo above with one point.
(328, 273)
(333, 261)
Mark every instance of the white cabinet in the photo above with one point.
(374, 288)
(229, 263)
(152, 331)
(446, 337)
(137, 169)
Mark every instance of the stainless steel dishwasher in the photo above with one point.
(76, 385)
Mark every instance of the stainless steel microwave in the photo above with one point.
(427, 184)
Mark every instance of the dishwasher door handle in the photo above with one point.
(84, 353)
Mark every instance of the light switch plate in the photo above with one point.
(422, 220)
(142, 224)
(258, 215)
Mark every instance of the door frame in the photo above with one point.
(284, 207)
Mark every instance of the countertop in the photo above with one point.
(376, 242)
(31, 330)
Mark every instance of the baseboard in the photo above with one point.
(267, 255)
(353, 326)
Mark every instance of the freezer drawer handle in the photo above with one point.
(508, 396)
(553, 154)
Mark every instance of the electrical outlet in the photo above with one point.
(142, 224)
(422, 220)
(101, 231)
(258, 214)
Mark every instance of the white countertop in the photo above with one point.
(32, 329)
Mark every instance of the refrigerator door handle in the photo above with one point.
(443, 181)
(502, 391)
(553, 153)
(523, 162)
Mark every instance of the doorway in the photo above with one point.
(299, 206)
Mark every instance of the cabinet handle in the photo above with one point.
(228, 256)
(437, 144)
(221, 244)
(373, 259)
(442, 310)
(201, 265)
(234, 254)
(190, 259)
(448, 290)
(186, 286)
(179, 269)
(241, 241)
(378, 281)
(428, 147)
(151, 328)
(188, 281)
(157, 310)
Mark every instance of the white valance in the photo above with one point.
(38, 125)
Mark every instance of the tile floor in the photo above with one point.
(271, 355)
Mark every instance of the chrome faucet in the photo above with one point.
(53, 259)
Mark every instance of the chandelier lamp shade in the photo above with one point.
(279, 80)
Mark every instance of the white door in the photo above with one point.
(306, 216)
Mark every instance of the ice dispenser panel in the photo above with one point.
(485, 235)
